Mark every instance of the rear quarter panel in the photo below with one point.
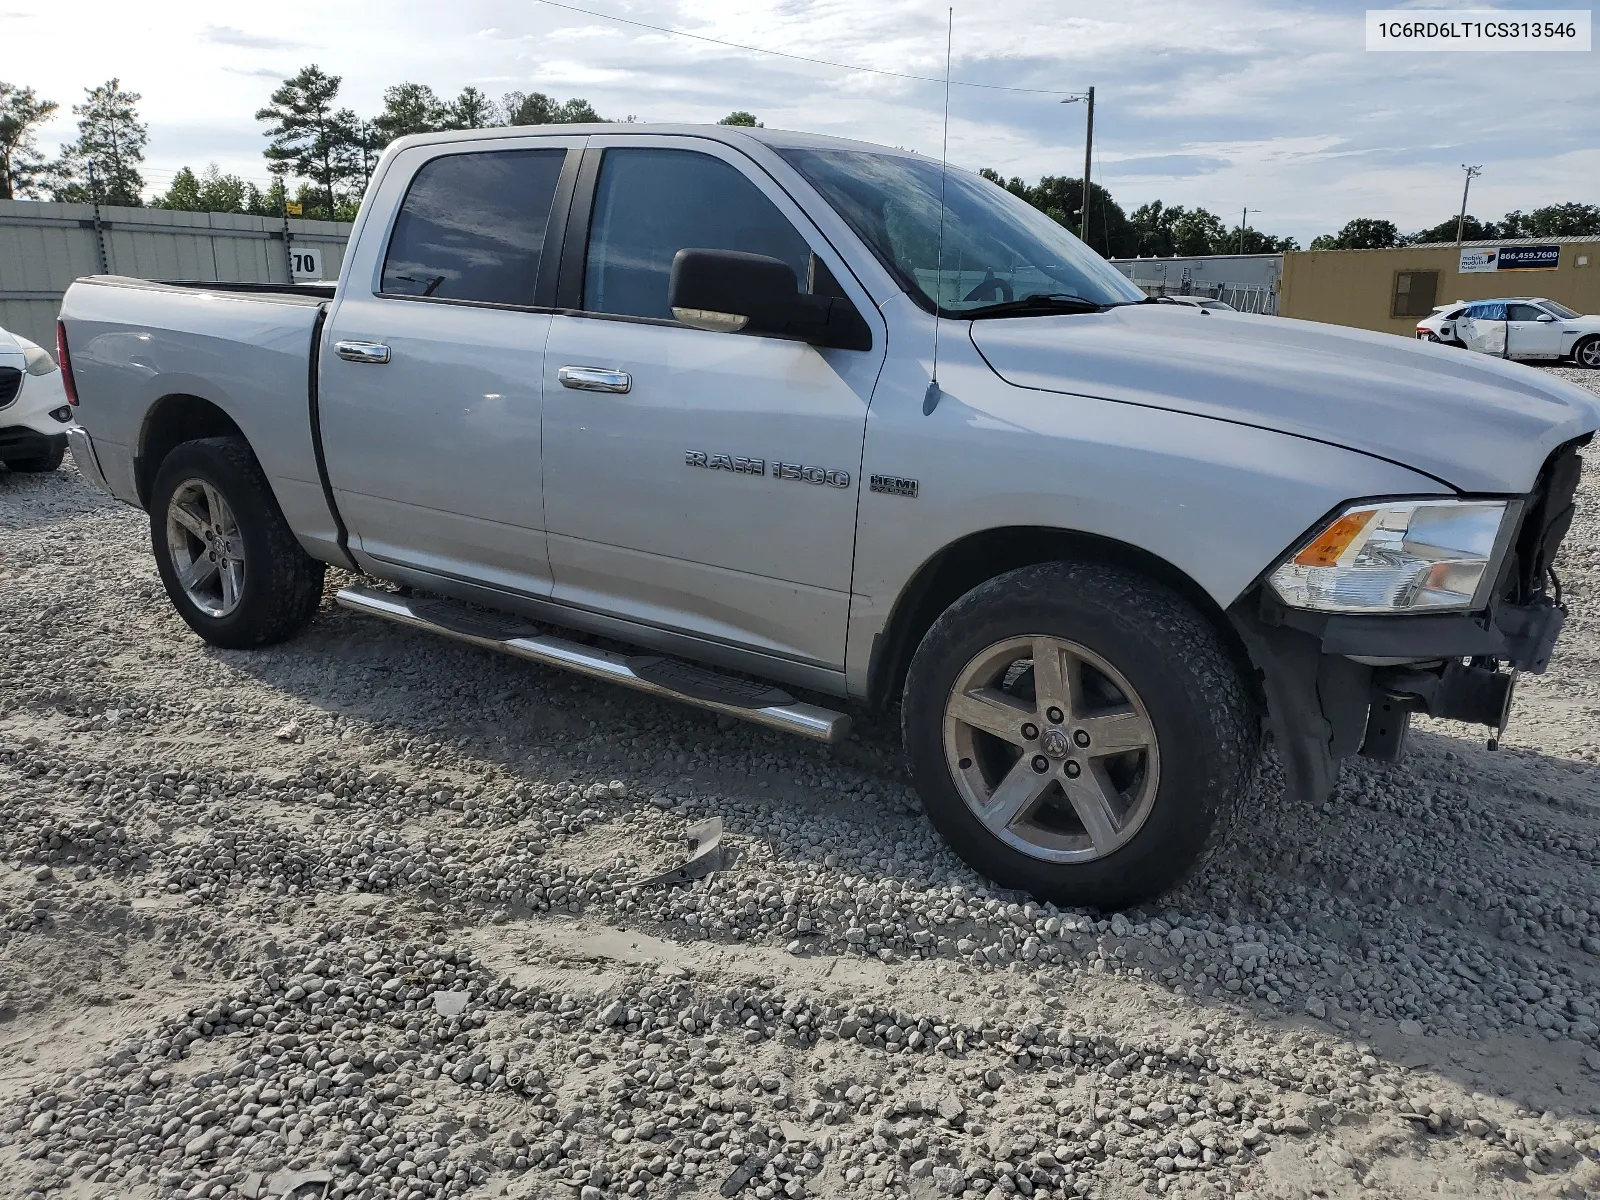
(135, 343)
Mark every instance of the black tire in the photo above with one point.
(1588, 348)
(40, 464)
(1204, 716)
(282, 584)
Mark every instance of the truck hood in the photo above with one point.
(1477, 424)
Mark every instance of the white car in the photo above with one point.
(1531, 329)
(1440, 325)
(34, 413)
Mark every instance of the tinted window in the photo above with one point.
(472, 227)
(1524, 312)
(650, 204)
(1560, 310)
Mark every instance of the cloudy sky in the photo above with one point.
(1274, 106)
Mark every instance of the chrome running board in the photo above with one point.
(760, 703)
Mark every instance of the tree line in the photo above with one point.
(1553, 220)
(328, 152)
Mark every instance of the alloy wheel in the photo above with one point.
(206, 548)
(1051, 748)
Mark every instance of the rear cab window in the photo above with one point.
(472, 227)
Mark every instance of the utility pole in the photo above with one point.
(1088, 150)
(99, 227)
(1243, 218)
(1461, 221)
(1088, 155)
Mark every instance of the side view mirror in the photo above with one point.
(1547, 319)
(728, 291)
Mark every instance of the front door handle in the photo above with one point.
(362, 352)
(595, 379)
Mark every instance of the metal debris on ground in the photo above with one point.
(743, 1174)
(706, 841)
(287, 1185)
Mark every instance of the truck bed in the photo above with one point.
(142, 349)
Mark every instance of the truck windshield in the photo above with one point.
(999, 251)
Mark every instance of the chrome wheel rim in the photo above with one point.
(1589, 352)
(1052, 749)
(206, 548)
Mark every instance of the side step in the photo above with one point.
(760, 703)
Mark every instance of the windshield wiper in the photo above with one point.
(1036, 303)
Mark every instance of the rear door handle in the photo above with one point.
(595, 379)
(362, 352)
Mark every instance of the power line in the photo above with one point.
(994, 87)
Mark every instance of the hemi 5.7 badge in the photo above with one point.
(894, 485)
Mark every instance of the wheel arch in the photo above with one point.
(978, 557)
(172, 420)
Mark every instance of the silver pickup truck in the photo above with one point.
(769, 411)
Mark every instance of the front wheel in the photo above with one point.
(1078, 732)
(226, 556)
(1587, 353)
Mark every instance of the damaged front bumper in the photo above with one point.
(1337, 684)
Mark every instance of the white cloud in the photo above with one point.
(1275, 105)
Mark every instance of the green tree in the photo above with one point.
(538, 109)
(311, 139)
(1363, 233)
(471, 110)
(1060, 197)
(1256, 242)
(214, 191)
(740, 117)
(111, 141)
(1198, 231)
(408, 108)
(1152, 227)
(1554, 220)
(1472, 230)
(21, 165)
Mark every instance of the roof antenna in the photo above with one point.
(930, 399)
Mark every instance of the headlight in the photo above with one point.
(38, 359)
(1395, 556)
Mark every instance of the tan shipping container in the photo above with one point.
(1390, 290)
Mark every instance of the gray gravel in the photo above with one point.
(366, 904)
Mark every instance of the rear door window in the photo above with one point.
(472, 227)
(649, 204)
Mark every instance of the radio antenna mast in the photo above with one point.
(930, 399)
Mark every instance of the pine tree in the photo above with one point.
(21, 165)
(311, 139)
(102, 165)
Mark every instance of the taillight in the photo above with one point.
(64, 361)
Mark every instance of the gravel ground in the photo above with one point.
(365, 906)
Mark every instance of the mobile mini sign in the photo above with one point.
(1483, 259)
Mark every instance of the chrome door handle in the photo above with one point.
(362, 352)
(595, 379)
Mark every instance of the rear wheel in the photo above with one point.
(1078, 732)
(229, 562)
(1587, 353)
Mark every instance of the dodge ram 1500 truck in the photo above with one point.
(676, 387)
